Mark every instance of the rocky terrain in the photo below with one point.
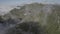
(46, 15)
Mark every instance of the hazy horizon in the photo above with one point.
(15, 2)
(6, 5)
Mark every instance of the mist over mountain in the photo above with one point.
(34, 18)
(5, 9)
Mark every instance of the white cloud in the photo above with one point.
(4, 9)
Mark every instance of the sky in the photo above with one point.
(7, 5)
(14, 2)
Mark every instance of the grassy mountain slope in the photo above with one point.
(47, 15)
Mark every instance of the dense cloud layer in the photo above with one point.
(5, 9)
